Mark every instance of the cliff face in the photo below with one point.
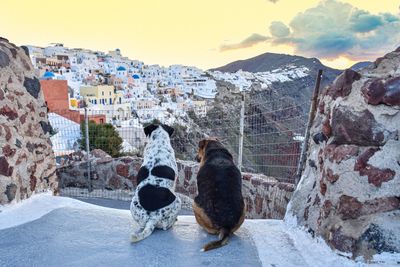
(27, 162)
(349, 193)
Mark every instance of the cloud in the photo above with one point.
(279, 29)
(334, 28)
(250, 41)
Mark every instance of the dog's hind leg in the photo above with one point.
(145, 232)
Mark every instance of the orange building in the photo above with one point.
(56, 97)
(55, 94)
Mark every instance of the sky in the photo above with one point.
(209, 33)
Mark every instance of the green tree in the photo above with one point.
(102, 136)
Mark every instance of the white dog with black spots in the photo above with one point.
(154, 203)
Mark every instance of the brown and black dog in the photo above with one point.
(219, 207)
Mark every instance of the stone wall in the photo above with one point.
(349, 193)
(265, 197)
(27, 162)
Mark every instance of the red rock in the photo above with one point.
(342, 152)
(32, 182)
(349, 207)
(353, 128)
(343, 83)
(8, 151)
(22, 119)
(326, 128)
(332, 178)
(249, 204)
(375, 175)
(133, 179)
(326, 208)
(8, 132)
(123, 170)
(373, 91)
(392, 95)
(322, 187)
(31, 107)
(321, 107)
(380, 205)
(5, 168)
(114, 183)
(8, 112)
(258, 201)
(377, 92)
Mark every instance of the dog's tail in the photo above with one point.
(147, 230)
(223, 240)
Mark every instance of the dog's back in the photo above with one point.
(220, 190)
(219, 206)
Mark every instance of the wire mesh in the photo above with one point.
(272, 135)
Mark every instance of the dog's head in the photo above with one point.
(205, 145)
(152, 127)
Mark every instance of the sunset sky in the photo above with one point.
(209, 33)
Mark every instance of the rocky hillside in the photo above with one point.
(349, 191)
(27, 162)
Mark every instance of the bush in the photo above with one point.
(102, 136)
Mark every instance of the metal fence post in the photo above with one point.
(87, 149)
(311, 116)
(240, 154)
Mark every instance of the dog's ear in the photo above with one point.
(168, 129)
(149, 129)
(202, 143)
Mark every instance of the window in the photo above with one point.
(102, 92)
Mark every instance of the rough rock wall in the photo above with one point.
(117, 178)
(349, 192)
(27, 162)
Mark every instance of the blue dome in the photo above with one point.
(135, 76)
(49, 74)
(121, 68)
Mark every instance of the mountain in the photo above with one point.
(360, 65)
(271, 61)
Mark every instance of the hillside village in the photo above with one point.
(127, 93)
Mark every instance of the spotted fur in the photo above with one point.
(155, 189)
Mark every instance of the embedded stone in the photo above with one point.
(380, 205)
(258, 201)
(322, 187)
(1, 94)
(319, 138)
(373, 91)
(8, 151)
(375, 175)
(46, 127)
(326, 208)
(340, 153)
(5, 168)
(350, 127)
(392, 94)
(377, 92)
(331, 177)
(342, 242)
(374, 239)
(326, 128)
(4, 59)
(32, 86)
(349, 207)
(114, 183)
(33, 182)
(343, 83)
(11, 190)
(123, 170)
(8, 112)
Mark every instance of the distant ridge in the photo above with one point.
(270, 61)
